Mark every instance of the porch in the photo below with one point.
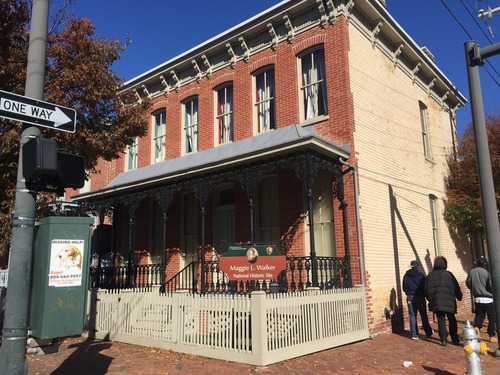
(332, 273)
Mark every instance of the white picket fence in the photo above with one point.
(259, 329)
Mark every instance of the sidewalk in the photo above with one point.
(384, 354)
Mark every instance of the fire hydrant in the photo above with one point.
(473, 346)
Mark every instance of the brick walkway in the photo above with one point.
(384, 354)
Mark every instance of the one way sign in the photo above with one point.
(36, 112)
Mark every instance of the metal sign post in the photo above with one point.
(13, 356)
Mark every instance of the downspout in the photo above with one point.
(356, 204)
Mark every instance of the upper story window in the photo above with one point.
(434, 220)
(264, 100)
(425, 130)
(190, 125)
(159, 136)
(224, 114)
(132, 154)
(313, 84)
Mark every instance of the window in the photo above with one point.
(269, 213)
(224, 216)
(190, 126)
(159, 136)
(156, 232)
(264, 101)
(313, 85)
(132, 153)
(425, 131)
(324, 231)
(189, 235)
(434, 219)
(225, 114)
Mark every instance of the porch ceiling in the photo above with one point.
(264, 146)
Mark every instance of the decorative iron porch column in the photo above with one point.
(202, 189)
(307, 168)
(345, 224)
(164, 197)
(133, 203)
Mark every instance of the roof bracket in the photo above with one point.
(397, 52)
(415, 71)
(145, 89)
(348, 9)
(166, 87)
(443, 99)
(246, 50)
(376, 31)
(198, 70)
(274, 36)
(232, 55)
(332, 13)
(207, 65)
(137, 94)
(289, 27)
(177, 81)
(322, 12)
(431, 85)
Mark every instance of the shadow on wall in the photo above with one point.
(464, 249)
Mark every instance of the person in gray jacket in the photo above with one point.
(478, 281)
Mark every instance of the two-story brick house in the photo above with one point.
(318, 126)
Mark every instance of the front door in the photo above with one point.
(224, 217)
(189, 246)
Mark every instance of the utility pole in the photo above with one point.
(13, 356)
(474, 58)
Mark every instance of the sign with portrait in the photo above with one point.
(252, 262)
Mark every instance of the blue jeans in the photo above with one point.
(417, 303)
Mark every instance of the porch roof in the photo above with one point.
(267, 145)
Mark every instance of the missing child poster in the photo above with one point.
(66, 259)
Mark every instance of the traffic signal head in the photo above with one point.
(39, 158)
(49, 169)
(70, 171)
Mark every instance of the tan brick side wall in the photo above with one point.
(395, 178)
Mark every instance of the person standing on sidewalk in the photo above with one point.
(414, 287)
(478, 281)
(442, 291)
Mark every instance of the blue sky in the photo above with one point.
(162, 29)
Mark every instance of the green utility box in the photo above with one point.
(60, 277)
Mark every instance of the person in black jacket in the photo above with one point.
(414, 287)
(442, 291)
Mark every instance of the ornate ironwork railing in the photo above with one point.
(127, 276)
(332, 273)
(186, 279)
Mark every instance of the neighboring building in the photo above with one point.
(253, 139)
